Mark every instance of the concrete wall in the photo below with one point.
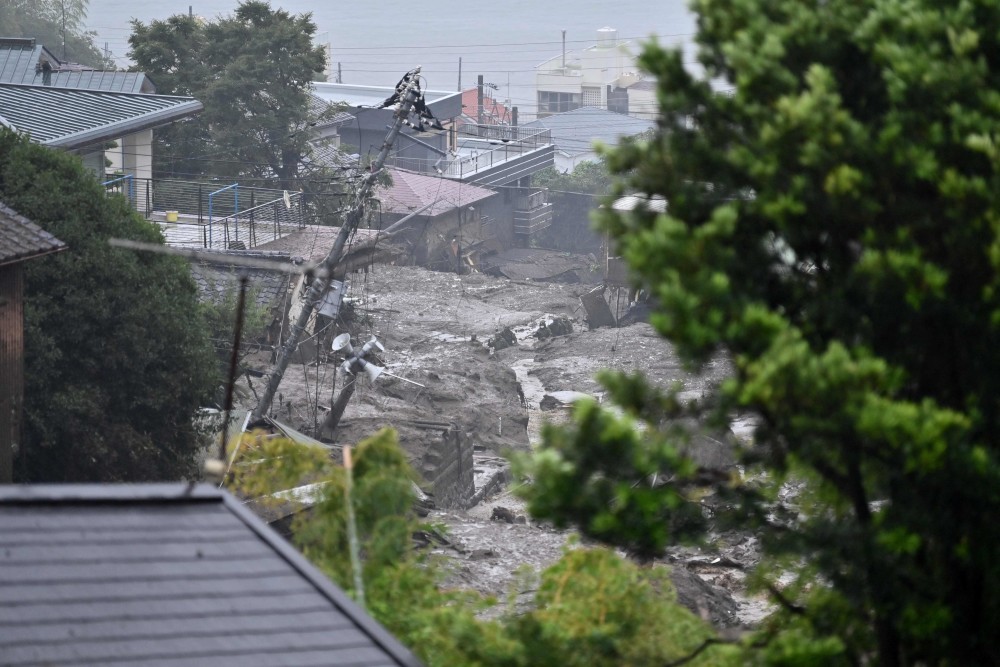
(448, 467)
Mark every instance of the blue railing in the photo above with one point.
(124, 185)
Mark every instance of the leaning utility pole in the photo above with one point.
(407, 92)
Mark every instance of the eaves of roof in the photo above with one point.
(21, 239)
(72, 118)
(197, 511)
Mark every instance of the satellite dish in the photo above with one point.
(341, 341)
(288, 200)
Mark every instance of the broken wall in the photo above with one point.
(447, 465)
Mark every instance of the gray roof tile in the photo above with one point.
(22, 239)
(166, 575)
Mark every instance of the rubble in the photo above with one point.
(489, 381)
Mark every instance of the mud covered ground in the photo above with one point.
(435, 327)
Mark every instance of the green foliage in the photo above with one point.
(49, 22)
(117, 360)
(595, 608)
(833, 230)
(590, 177)
(252, 72)
(592, 607)
(221, 316)
(609, 492)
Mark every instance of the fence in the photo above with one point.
(480, 147)
(259, 224)
(123, 185)
(190, 212)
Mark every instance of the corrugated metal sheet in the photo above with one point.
(11, 365)
(20, 60)
(167, 574)
(71, 118)
(21, 239)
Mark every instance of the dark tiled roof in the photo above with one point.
(166, 575)
(72, 118)
(410, 192)
(318, 107)
(20, 61)
(574, 132)
(22, 239)
(215, 277)
(313, 242)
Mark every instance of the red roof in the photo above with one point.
(494, 113)
(411, 191)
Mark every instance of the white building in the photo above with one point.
(597, 76)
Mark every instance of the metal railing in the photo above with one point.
(124, 185)
(234, 190)
(190, 212)
(480, 147)
(260, 224)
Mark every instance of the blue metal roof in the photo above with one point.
(21, 61)
(72, 118)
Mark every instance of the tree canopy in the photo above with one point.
(592, 608)
(117, 356)
(51, 22)
(591, 177)
(252, 71)
(834, 232)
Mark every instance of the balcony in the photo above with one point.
(488, 155)
(532, 213)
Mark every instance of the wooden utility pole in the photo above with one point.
(407, 92)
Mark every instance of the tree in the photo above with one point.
(56, 24)
(587, 177)
(117, 358)
(591, 608)
(252, 71)
(833, 231)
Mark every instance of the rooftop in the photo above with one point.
(369, 96)
(494, 113)
(167, 574)
(411, 192)
(21, 239)
(25, 62)
(72, 118)
(574, 132)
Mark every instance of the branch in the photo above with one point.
(694, 654)
(789, 606)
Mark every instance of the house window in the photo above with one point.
(549, 102)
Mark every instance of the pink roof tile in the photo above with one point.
(411, 191)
